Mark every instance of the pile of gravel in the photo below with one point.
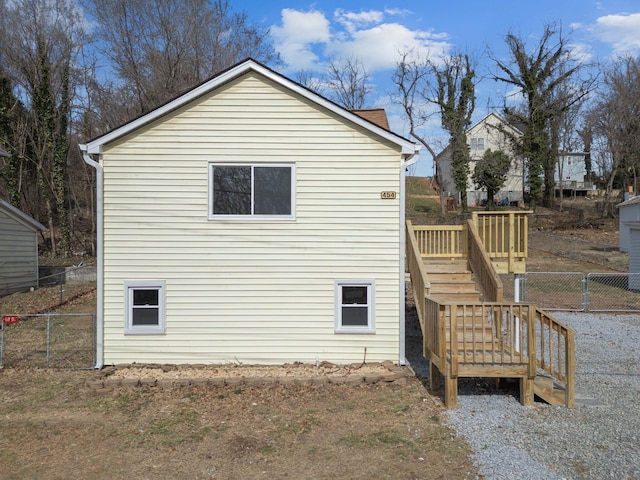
(599, 438)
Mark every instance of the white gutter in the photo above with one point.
(411, 159)
(99, 256)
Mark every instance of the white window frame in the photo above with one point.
(252, 216)
(473, 143)
(129, 288)
(371, 325)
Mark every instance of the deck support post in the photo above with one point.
(526, 391)
(450, 391)
(434, 378)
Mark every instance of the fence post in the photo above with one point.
(48, 338)
(585, 292)
(1, 342)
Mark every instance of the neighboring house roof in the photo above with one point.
(20, 216)
(95, 146)
(483, 120)
(632, 201)
(374, 115)
(499, 119)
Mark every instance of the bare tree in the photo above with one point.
(159, 48)
(42, 39)
(414, 93)
(615, 125)
(548, 78)
(449, 86)
(456, 100)
(348, 83)
(310, 80)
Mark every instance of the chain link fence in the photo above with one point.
(576, 291)
(51, 340)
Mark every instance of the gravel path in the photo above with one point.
(598, 439)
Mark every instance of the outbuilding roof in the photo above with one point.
(631, 201)
(20, 216)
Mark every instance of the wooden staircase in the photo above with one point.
(549, 391)
(451, 280)
(492, 338)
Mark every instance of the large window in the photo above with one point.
(354, 306)
(144, 307)
(251, 191)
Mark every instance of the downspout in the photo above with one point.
(99, 256)
(410, 160)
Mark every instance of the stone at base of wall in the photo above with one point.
(141, 375)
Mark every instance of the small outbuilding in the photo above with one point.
(629, 212)
(18, 249)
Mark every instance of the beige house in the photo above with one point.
(250, 220)
(488, 133)
(18, 249)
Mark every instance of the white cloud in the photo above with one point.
(622, 31)
(351, 20)
(305, 40)
(295, 38)
(580, 52)
(379, 47)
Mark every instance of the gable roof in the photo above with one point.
(20, 216)
(483, 120)
(498, 118)
(95, 146)
(632, 201)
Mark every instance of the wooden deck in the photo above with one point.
(458, 290)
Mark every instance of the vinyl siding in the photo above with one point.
(18, 255)
(253, 291)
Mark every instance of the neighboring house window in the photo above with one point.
(261, 190)
(477, 144)
(144, 307)
(354, 306)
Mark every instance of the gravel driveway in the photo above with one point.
(598, 439)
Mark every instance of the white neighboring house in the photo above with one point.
(488, 133)
(571, 171)
(18, 249)
(250, 220)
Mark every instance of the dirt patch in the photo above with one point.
(54, 427)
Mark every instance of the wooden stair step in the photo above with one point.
(436, 277)
(456, 297)
(447, 269)
(546, 389)
(478, 339)
(453, 286)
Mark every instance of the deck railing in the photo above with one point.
(504, 236)
(555, 347)
(419, 279)
(481, 265)
(441, 241)
(487, 333)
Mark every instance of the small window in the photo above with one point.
(144, 307)
(354, 306)
(477, 144)
(245, 191)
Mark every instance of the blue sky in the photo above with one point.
(309, 34)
